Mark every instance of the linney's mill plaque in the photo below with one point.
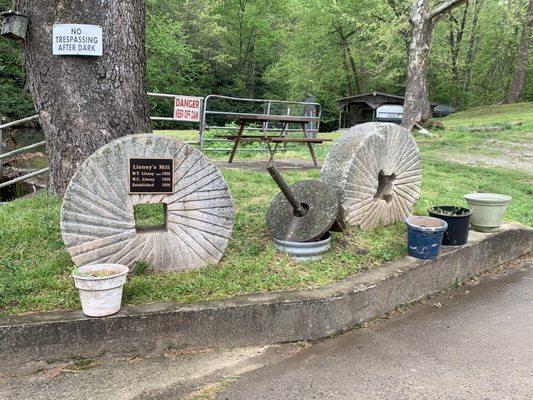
(151, 175)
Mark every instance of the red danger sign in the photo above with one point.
(187, 108)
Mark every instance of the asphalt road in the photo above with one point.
(475, 342)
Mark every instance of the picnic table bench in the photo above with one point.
(285, 120)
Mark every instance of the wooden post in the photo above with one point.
(237, 141)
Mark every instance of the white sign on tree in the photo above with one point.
(187, 108)
(77, 40)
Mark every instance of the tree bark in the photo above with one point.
(417, 108)
(86, 102)
(515, 89)
(362, 76)
(456, 37)
(472, 38)
(347, 74)
(355, 72)
(351, 75)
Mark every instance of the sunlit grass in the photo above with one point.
(502, 114)
(35, 268)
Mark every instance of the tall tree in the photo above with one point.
(472, 38)
(85, 102)
(417, 108)
(515, 89)
(456, 31)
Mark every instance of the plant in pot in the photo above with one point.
(100, 288)
(488, 210)
(424, 236)
(458, 220)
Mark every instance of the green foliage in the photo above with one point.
(139, 268)
(290, 49)
(15, 101)
(495, 41)
(331, 48)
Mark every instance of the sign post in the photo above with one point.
(187, 108)
(77, 40)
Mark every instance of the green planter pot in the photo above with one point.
(487, 210)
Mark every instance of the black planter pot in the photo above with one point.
(458, 219)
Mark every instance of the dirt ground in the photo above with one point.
(511, 153)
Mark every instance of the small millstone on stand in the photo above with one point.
(301, 215)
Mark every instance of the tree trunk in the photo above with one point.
(456, 37)
(347, 56)
(347, 71)
(355, 72)
(362, 76)
(514, 92)
(472, 37)
(86, 102)
(416, 107)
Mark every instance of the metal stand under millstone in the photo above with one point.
(301, 212)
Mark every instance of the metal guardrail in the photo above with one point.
(170, 96)
(267, 109)
(21, 150)
(24, 177)
(18, 122)
(268, 105)
(4, 156)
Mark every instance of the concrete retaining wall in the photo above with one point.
(256, 318)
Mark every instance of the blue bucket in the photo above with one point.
(424, 236)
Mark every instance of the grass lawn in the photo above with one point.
(502, 114)
(35, 268)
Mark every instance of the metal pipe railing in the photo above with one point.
(268, 103)
(170, 96)
(18, 122)
(4, 156)
(23, 177)
(21, 150)
(203, 127)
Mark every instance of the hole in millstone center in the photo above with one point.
(385, 187)
(150, 216)
(305, 210)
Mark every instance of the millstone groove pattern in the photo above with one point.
(97, 215)
(375, 169)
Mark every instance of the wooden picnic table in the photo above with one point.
(244, 119)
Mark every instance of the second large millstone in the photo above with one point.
(303, 211)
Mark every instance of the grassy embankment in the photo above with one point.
(35, 268)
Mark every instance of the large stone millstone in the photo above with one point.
(97, 215)
(375, 169)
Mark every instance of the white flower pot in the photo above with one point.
(100, 287)
(487, 210)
